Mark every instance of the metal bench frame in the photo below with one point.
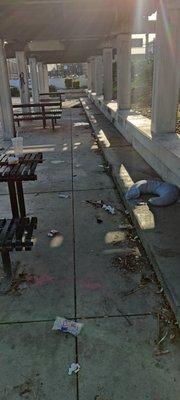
(15, 234)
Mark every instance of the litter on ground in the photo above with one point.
(124, 227)
(52, 233)
(64, 196)
(64, 325)
(101, 204)
(57, 161)
(74, 368)
(109, 209)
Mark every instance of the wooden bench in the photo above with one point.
(52, 95)
(42, 113)
(15, 234)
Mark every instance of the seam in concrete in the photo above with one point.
(74, 249)
(39, 321)
(63, 191)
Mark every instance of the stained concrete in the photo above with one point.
(51, 261)
(118, 362)
(75, 277)
(35, 363)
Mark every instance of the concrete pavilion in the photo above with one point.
(39, 32)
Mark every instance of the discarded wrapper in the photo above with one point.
(52, 233)
(109, 209)
(64, 325)
(64, 196)
(74, 368)
(13, 160)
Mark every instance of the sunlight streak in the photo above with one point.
(167, 27)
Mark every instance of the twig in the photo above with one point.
(162, 339)
(133, 291)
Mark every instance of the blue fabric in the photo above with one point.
(167, 193)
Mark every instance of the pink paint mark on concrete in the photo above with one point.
(92, 285)
(42, 280)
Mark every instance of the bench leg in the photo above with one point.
(13, 199)
(20, 196)
(6, 263)
(6, 281)
(52, 123)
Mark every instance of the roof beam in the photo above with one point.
(45, 45)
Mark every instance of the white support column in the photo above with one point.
(89, 75)
(23, 76)
(124, 71)
(46, 78)
(166, 68)
(93, 74)
(40, 77)
(5, 97)
(108, 75)
(34, 79)
(98, 76)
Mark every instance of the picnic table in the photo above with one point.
(40, 112)
(57, 94)
(14, 175)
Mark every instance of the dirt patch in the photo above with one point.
(127, 263)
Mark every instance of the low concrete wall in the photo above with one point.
(162, 152)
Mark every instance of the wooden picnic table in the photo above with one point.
(58, 94)
(40, 105)
(14, 175)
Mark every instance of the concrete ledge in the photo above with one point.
(157, 228)
(162, 152)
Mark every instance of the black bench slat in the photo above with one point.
(25, 167)
(35, 118)
(17, 169)
(33, 113)
(17, 233)
(6, 170)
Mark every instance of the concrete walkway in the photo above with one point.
(94, 271)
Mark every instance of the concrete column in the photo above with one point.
(146, 44)
(124, 71)
(23, 76)
(108, 75)
(5, 97)
(34, 79)
(93, 74)
(166, 68)
(43, 78)
(98, 75)
(46, 78)
(89, 75)
(40, 77)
